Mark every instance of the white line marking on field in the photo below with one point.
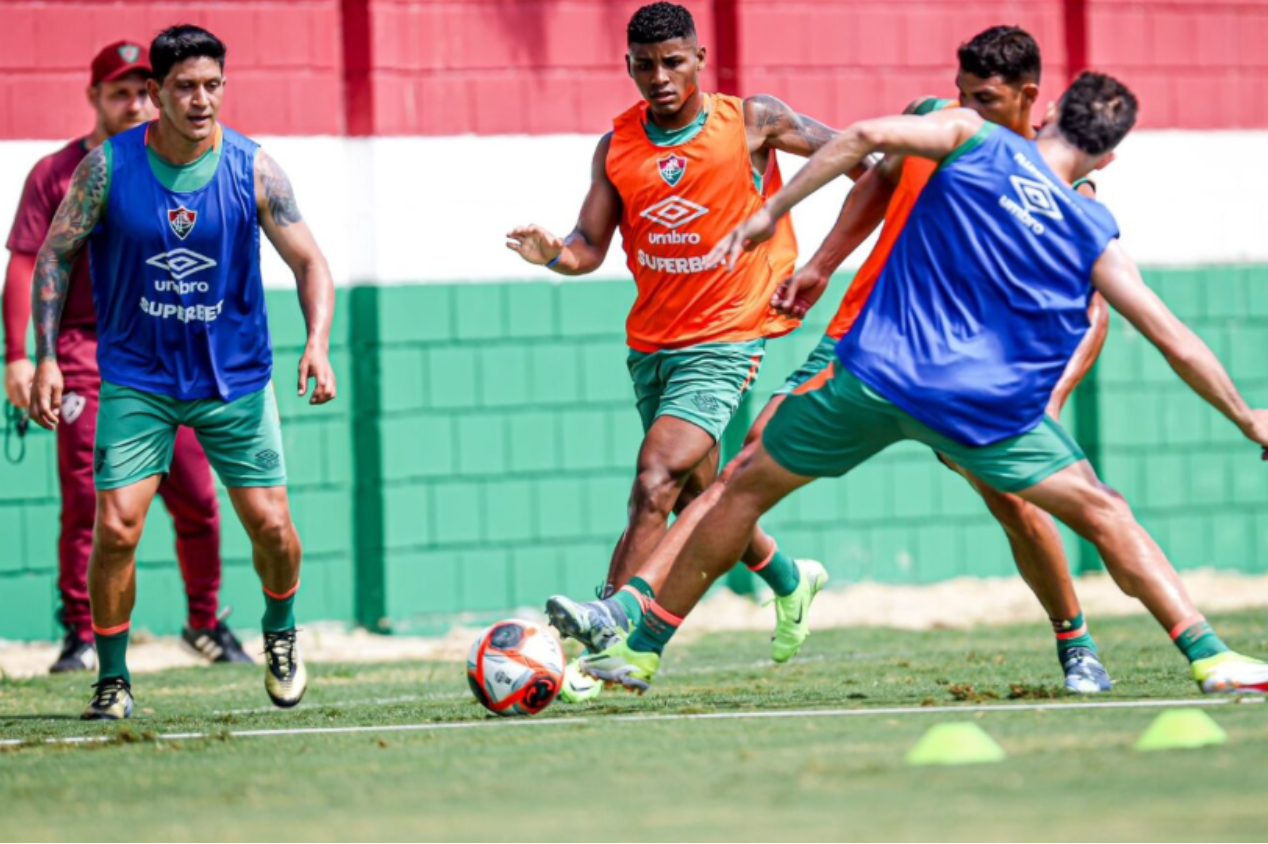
(335, 704)
(648, 718)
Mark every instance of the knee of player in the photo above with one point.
(656, 489)
(741, 463)
(1104, 510)
(114, 533)
(273, 530)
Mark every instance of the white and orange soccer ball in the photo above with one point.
(515, 667)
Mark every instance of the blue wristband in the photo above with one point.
(554, 260)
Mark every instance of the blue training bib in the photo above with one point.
(176, 278)
(984, 297)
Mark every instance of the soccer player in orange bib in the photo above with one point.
(678, 170)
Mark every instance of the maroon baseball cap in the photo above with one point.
(120, 59)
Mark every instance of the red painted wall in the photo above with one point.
(847, 60)
(442, 67)
(283, 67)
(503, 66)
(1199, 65)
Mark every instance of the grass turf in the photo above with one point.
(1070, 775)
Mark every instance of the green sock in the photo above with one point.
(654, 631)
(112, 656)
(630, 603)
(780, 573)
(1072, 633)
(1198, 641)
(279, 613)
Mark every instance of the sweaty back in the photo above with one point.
(984, 297)
(176, 278)
(677, 203)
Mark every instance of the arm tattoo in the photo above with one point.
(76, 217)
(786, 129)
(278, 192)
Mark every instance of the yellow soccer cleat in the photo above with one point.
(111, 701)
(622, 665)
(577, 687)
(1231, 673)
(285, 678)
(792, 623)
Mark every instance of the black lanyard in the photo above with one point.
(15, 423)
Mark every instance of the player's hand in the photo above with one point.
(1256, 429)
(18, 375)
(796, 296)
(46, 395)
(534, 244)
(315, 364)
(747, 235)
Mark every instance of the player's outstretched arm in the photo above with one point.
(862, 212)
(933, 136)
(1118, 279)
(584, 249)
(76, 217)
(282, 222)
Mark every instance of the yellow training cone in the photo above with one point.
(1181, 728)
(955, 743)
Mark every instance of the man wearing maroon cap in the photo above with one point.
(118, 95)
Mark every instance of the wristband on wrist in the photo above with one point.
(554, 260)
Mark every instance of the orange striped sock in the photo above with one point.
(655, 630)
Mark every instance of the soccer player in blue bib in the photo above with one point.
(970, 326)
(172, 212)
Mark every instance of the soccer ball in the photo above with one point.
(515, 668)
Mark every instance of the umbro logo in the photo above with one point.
(674, 212)
(1036, 197)
(181, 262)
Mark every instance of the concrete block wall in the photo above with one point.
(480, 455)
(285, 56)
(1196, 65)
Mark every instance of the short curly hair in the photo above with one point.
(1097, 112)
(659, 22)
(1008, 52)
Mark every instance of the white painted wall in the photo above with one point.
(406, 210)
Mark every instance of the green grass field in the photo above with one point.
(610, 772)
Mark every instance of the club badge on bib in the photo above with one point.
(672, 167)
(182, 221)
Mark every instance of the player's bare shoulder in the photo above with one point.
(274, 192)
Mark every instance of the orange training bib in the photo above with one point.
(678, 202)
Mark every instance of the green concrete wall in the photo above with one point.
(480, 454)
